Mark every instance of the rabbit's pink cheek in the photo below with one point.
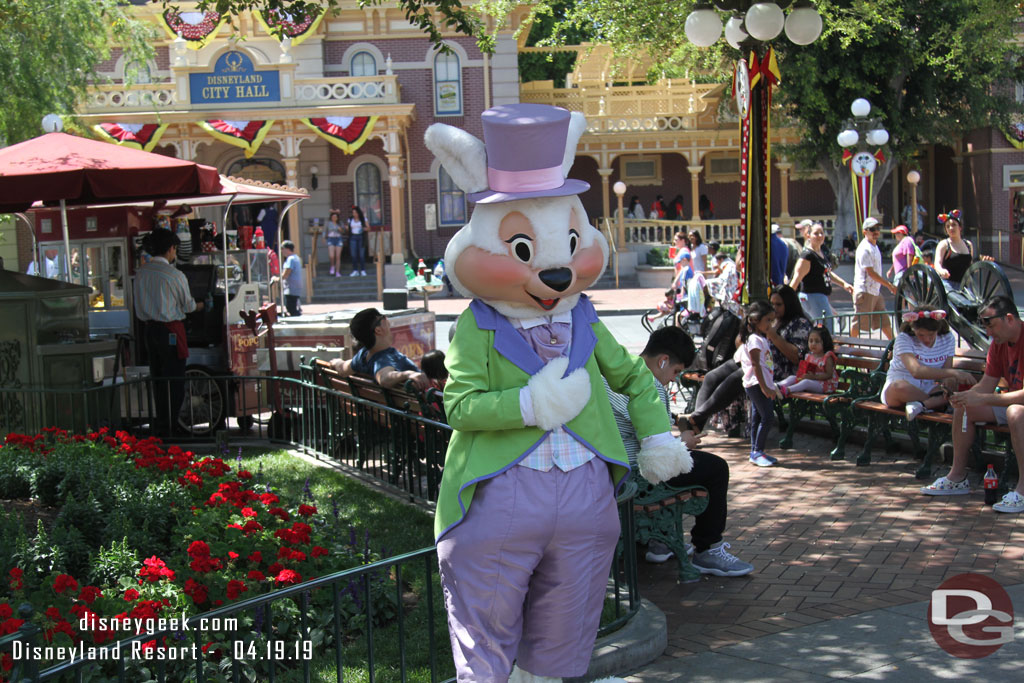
(587, 264)
(490, 275)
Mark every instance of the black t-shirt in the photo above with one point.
(817, 280)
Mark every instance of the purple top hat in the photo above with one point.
(525, 147)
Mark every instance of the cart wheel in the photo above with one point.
(920, 286)
(205, 407)
(982, 281)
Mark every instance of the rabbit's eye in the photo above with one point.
(574, 241)
(522, 247)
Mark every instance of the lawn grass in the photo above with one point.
(394, 527)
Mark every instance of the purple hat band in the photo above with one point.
(525, 145)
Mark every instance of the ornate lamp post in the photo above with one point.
(913, 177)
(620, 189)
(750, 25)
(858, 134)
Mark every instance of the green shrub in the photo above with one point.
(110, 565)
(729, 250)
(16, 468)
(658, 256)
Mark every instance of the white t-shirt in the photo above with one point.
(868, 256)
(933, 356)
(355, 226)
(699, 254)
(742, 356)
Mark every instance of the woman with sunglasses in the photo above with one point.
(921, 373)
(954, 255)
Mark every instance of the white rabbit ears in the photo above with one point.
(530, 149)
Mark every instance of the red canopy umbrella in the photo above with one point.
(66, 169)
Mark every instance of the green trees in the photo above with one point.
(933, 69)
(49, 50)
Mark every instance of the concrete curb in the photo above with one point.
(642, 640)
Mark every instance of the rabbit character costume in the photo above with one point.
(526, 520)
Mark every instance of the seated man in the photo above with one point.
(981, 404)
(669, 351)
(376, 355)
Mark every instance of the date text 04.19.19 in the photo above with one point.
(277, 650)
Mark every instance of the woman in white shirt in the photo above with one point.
(356, 231)
(922, 364)
(698, 252)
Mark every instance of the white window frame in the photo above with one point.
(352, 64)
(711, 176)
(380, 193)
(448, 83)
(455, 192)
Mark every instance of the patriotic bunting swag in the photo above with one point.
(754, 79)
(196, 28)
(245, 134)
(144, 136)
(347, 133)
(276, 22)
(862, 174)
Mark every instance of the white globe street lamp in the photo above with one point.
(751, 23)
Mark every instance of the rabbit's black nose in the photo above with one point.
(557, 279)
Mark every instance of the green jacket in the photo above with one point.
(489, 362)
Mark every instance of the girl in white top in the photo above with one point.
(922, 364)
(755, 359)
(699, 252)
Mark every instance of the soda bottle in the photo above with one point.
(421, 268)
(991, 486)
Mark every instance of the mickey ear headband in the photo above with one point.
(955, 214)
(912, 316)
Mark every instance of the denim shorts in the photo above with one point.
(334, 241)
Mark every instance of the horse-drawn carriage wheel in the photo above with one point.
(205, 407)
(920, 286)
(982, 281)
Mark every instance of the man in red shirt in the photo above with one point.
(981, 403)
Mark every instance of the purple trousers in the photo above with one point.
(525, 574)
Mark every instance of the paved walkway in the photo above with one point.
(844, 557)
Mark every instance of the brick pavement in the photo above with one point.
(828, 540)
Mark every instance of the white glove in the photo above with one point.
(556, 399)
(661, 459)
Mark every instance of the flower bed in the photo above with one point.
(147, 532)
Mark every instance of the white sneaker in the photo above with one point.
(354, 273)
(947, 487)
(332, 270)
(1011, 502)
(914, 408)
(362, 272)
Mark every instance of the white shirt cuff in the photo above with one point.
(656, 440)
(526, 407)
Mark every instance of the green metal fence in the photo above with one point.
(401, 450)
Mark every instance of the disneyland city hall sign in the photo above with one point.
(234, 79)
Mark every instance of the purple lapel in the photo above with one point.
(510, 344)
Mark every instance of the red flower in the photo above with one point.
(205, 564)
(89, 594)
(64, 582)
(232, 555)
(131, 595)
(288, 577)
(255, 575)
(268, 498)
(307, 510)
(275, 568)
(10, 626)
(244, 474)
(53, 613)
(6, 662)
(280, 513)
(198, 549)
(155, 569)
(248, 512)
(251, 527)
(197, 591)
(16, 575)
(256, 556)
(236, 588)
(190, 478)
(319, 551)
(5, 610)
